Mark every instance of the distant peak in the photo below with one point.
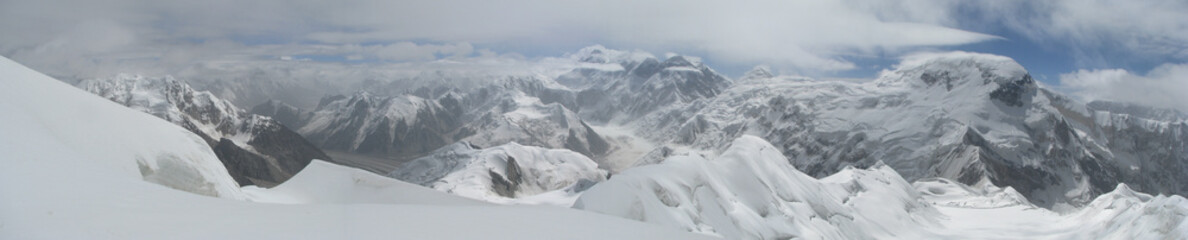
(759, 72)
(593, 54)
(602, 54)
(954, 69)
(678, 61)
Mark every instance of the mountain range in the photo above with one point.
(925, 150)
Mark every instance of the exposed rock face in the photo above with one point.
(507, 186)
(256, 150)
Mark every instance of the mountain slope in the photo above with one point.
(256, 150)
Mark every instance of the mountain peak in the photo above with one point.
(759, 72)
(602, 54)
(954, 68)
(678, 61)
(963, 73)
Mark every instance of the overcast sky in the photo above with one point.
(1095, 49)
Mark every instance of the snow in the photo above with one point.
(1121, 214)
(546, 176)
(514, 116)
(100, 142)
(323, 182)
(80, 167)
(949, 115)
(175, 101)
(71, 172)
(751, 192)
(944, 192)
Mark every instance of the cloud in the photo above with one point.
(1098, 32)
(1164, 86)
(815, 35)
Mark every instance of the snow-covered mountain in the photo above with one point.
(125, 163)
(750, 191)
(534, 110)
(961, 116)
(77, 166)
(509, 173)
(512, 115)
(399, 127)
(256, 149)
(404, 127)
(617, 86)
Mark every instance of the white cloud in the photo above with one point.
(1164, 86)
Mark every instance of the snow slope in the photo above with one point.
(509, 173)
(77, 166)
(60, 142)
(1119, 214)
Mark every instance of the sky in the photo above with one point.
(1135, 51)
